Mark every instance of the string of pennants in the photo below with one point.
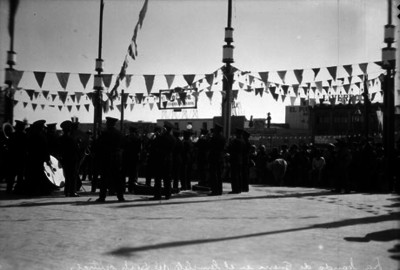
(343, 81)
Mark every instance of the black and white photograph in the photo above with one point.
(199, 134)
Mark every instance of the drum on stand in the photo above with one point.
(54, 172)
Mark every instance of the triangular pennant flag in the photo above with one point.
(346, 88)
(332, 71)
(72, 97)
(272, 89)
(210, 94)
(34, 105)
(16, 77)
(299, 75)
(42, 106)
(363, 67)
(139, 97)
(316, 71)
(30, 93)
(189, 78)
(319, 85)
(87, 107)
(36, 94)
(25, 104)
(119, 107)
(295, 89)
(349, 69)
(151, 106)
(78, 107)
(149, 79)
(45, 93)
(62, 96)
(107, 80)
(60, 107)
(39, 77)
(259, 91)
(90, 95)
(84, 78)
(69, 107)
(284, 98)
(285, 89)
(210, 79)
(15, 102)
(241, 85)
(275, 95)
(264, 77)
(53, 97)
(128, 79)
(170, 79)
(63, 79)
(131, 106)
(330, 83)
(78, 96)
(168, 95)
(282, 75)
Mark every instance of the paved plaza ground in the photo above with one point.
(266, 228)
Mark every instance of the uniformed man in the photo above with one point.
(132, 148)
(236, 151)
(38, 154)
(165, 144)
(17, 147)
(68, 152)
(110, 158)
(216, 160)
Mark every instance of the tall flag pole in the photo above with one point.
(11, 61)
(388, 63)
(227, 82)
(98, 81)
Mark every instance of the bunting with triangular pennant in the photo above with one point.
(299, 75)
(84, 78)
(39, 76)
(282, 75)
(332, 71)
(149, 79)
(63, 79)
(189, 78)
(62, 96)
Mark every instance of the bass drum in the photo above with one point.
(54, 173)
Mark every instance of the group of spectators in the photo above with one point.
(114, 162)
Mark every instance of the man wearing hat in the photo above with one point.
(17, 146)
(166, 145)
(38, 154)
(69, 157)
(236, 150)
(216, 159)
(110, 158)
(202, 150)
(246, 161)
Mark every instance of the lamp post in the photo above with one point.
(388, 63)
(11, 61)
(227, 82)
(98, 80)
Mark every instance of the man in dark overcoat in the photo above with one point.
(216, 160)
(68, 153)
(110, 158)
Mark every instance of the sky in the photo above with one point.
(185, 37)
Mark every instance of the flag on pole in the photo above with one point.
(132, 52)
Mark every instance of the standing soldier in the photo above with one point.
(165, 143)
(68, 151)
(201, 157)
(236, 151)
(38, 154)
(177, 161)
(247, 161)
(17, 147)
(131, 154)
(110, 157)
(187, 160)
(216, 159)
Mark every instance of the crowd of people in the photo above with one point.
(171, 160)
